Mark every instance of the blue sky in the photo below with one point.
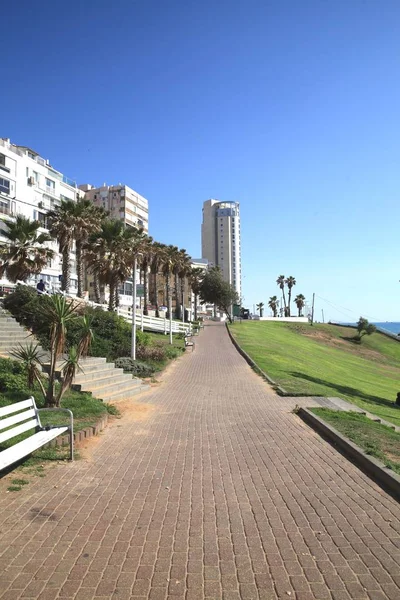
(289, 107)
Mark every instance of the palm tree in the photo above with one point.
(273, 304)
(260, 308)
(113, 255)
(149, 250)
(24, 253)
(61, 227)
(184, 264)
(195, 278)
(74, 221)
(300, 301)
(170, 260)
(281, 282)
(290, 282)
(157, 260)
(88, 218)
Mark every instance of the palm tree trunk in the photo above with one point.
(66, 271)
(79, 268)
(195, 307)
(168, 291)
(145, 289)
(177, 298)
(96, 287)
(289, 298)
(284, 302)
(111, 298)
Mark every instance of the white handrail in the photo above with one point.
(148, 323)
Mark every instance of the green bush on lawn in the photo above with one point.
(112, 333)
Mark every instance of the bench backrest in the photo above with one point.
(23, 417)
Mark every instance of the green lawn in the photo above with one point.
(324, 360)
(377, 440)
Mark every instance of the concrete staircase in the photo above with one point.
(12, 334)
(102, 379)
(106, 381)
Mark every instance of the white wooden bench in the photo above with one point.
(21, 417)
(189, 341)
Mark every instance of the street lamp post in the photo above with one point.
(133, 342)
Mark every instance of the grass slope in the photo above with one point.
(324, 360)
(377, 440)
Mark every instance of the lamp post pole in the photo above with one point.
(133, 345)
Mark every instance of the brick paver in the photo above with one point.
(221, 493)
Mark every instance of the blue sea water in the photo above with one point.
(389, 326)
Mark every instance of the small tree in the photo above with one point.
(364, 328)
(60, 314)
(300, 302)
(273, 303)
(214, 290)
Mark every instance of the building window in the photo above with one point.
(42, 218)
(4, 186)
(2, 160)
(50, 184)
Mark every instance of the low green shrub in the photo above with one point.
(136, 367)
(152, 353)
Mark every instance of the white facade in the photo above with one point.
(220, 240)
(122, 203)
(30, 186)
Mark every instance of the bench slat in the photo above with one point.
(15, 453)
(23, 416)
(12, 408)
(10, 433)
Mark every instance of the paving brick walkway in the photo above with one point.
(221, 493)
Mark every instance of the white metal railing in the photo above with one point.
(143, 322)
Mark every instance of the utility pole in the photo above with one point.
(133, 341)
(322, 310)
(312, 310)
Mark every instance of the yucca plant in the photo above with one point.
(32, 357)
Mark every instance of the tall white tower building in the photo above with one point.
(220, 239)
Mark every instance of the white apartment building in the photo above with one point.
(220, 239)
(30, 186)
(122, 203)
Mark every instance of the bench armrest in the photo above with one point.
(70, 426)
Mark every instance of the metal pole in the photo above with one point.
(323, 319)
(133, 345)
(312, 310)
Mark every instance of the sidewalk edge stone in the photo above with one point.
(370, 465)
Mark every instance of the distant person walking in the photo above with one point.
(41, 287)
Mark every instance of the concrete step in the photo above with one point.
(125, 394)
(109, 388)
(10, 335)
(110, 376)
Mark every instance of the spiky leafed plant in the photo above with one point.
(300, 301)
(32, 357)
(23, 253)
(195, 278)
(281, 283)
(87, 336)
(273, 304)
(290, 282)
(59, 312)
